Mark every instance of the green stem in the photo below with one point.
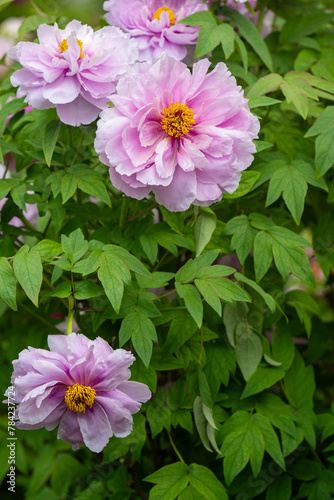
(124, 211)
(70, 317)
(174, 448)
(260, 20)
(144, 211)
(165, 294)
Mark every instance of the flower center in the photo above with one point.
(63, 46)
(170, 13)
(177, 119)
(78, 396)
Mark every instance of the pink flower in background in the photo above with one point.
(82, 386)
(154, 24)
(184, 136)
(74, 70)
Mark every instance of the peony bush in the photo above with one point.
(166, 250)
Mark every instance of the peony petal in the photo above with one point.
(95, 427)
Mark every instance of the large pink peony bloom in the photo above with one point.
(154, 23)
(82, 386)
(74, 70)
(184, 136)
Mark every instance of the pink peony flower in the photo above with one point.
(154, 24)
(82, 386)
(184, 136)
(74, 69)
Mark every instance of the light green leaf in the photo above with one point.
(111, 277)
(75, 246)
(248, 179)
(203, 230)
(192, 299)
(268, 83)
(28, 271)
(227, 38)
(7, 284)
(259, 101)
(243, 236)
(69, 186)
(86, 290)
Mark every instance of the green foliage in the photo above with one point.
(228, 308)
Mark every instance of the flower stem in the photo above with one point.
(174, 448)
(70, 316)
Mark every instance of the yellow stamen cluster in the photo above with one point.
(63, 46)
(177, 119)
(170, 13)
(78, 396)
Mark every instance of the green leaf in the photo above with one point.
(246, 443)
(294, 187)
(199, 18)
(243, 236)
(84, 290)
(266, 297)
(268, 83)
(272, 445)
(283, 348)
(295, 94)
(249, 350)
(111, 276)
(18, 194)
(209, 37)
(248, 179)
(221, 362)
(48, 249)
(300, 384)
(227, 38)
(192, 300)
(74, 246)
(251, 35)
(28, 271)
(182, 328)
(280, 414)
(50, 139)
(324, 152)
(262, 379)
(142, 331)
(69, 186)
(201, 423)
(203, 230)
(147, 376)
(299, 26)
(263, 254)
(31, 23)
(259, 101)
(171, 479)
(206, 483)
(129, 260)
(7, 284)
(158, 415)
(189, 271)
